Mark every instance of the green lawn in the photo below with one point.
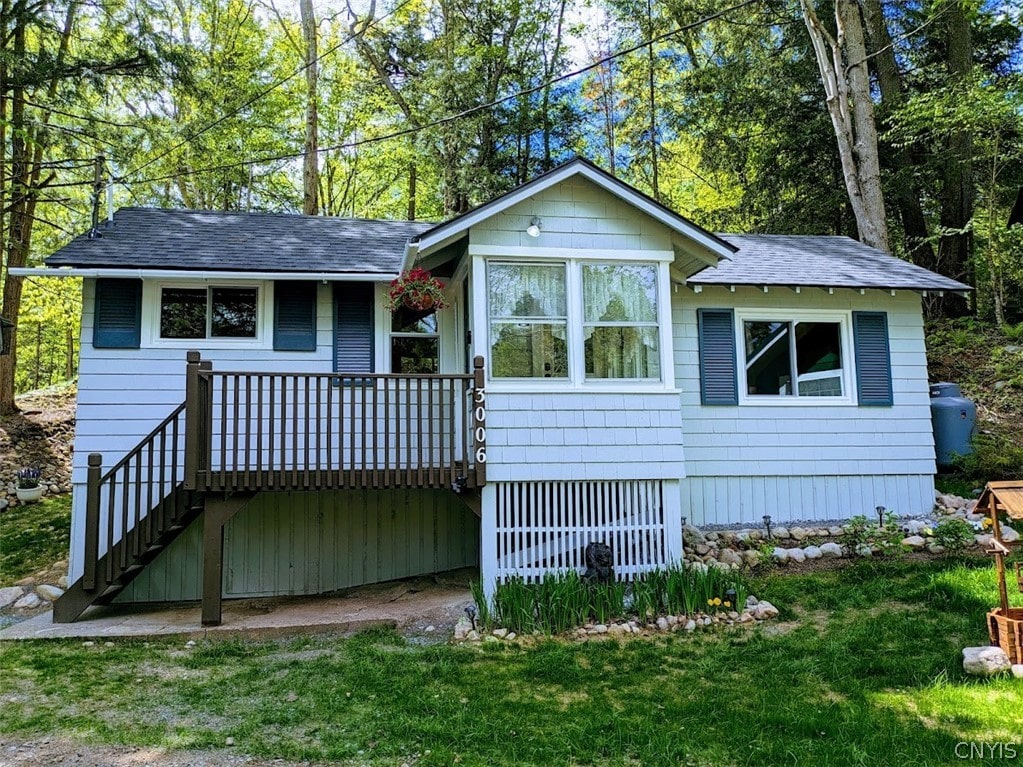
(863, 669)
(33, 536)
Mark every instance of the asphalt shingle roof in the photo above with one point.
(153, 238)
(817, 261)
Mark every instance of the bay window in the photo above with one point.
(528, 320)
(620, 333)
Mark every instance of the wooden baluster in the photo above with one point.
(464, 396)
(235, 436)
(175, 437)
(150, 507)
(376, 439)
(161, 492)
(364, 429)
(319, 433)
(111, 513)
(387, 431)
(260, 479)
(284, 432)
(306, 429)
(351, 435)
(92, 521)
(408, 431)
(125, 496)
(331, 477)
(248, 432)
(137, 511)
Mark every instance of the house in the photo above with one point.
(253, 421)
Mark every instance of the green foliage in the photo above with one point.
(562, 601)
(33, 537)
(954, 535)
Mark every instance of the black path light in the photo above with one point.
(767, 524)
(730, 598)
(880, 515)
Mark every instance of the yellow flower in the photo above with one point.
(728, 604)
(710, 601)
(717, 601)
(986, 522)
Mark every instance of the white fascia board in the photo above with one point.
(192, 274)
(411, 251)
(446, 233)
(582, 254)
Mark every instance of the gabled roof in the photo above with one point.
(153, 238)
(817, 261)
(441, 234)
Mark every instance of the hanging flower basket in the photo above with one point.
(416, 292)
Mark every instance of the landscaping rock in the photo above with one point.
(690, 625)
(617, 629)
(764, 610)
(915, 542)
(798, 533)
(1009, 535)
(662, 624)
(462, 628)
(936, 548)
(985, 661)
(693, 534)
(10, 595)
(30, 601)
(49, 593)
(831, 550)
(473, 636)
(812, 552)
(796, 555)
(780, 532)
(751, 557)
(1017, 670)
(600, 628)
(500, 633)
(730, 557)
(511, 636)
(780, 555)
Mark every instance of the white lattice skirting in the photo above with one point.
(540, 527)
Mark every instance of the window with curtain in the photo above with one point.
(620, 332)
(528, 308)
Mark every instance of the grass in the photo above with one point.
(864, 669)
(33, 536)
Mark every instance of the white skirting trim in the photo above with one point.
(531, 528)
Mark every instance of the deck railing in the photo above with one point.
(250, 431)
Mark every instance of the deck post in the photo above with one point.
(479, 421)
(92, 521)
(192, 418)
(216, 515)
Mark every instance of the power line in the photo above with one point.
(458, 115)
(261, 94)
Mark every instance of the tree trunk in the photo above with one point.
(906, 190)
(310, 168)
(842, 61)
(957, 196)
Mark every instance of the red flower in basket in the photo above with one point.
(416, 290)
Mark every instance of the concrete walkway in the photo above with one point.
(413, 606)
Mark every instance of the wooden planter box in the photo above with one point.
(1006, 631)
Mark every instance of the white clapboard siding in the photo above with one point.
(544, 527)
(816, 461)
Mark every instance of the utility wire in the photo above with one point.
(452, 117)
(266, 91)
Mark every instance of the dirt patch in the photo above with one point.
(62, 753)
(41, 435)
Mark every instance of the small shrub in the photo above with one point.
(954, 534)
(855, 533)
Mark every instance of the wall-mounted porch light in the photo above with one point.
(533, 230)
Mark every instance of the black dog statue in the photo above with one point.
(599, 563)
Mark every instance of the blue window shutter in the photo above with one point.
(718, 381)
(873, 358)
(353, 327)
(117, 323)
(295, 316)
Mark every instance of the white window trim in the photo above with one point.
(152, 297)
(843, 318)
(573, 285)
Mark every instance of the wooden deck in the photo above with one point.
(239, 433)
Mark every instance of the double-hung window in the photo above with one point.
(795, 358)
(528, 320)
(574, 321)
(415, 344)
(208, 312)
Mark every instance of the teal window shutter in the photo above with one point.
(873, 358)
(117, 322)
(353, 327)
(294, 316)
(718, 381)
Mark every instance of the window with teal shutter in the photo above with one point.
(718, 382)
(873, 358)
(117, 323)
(295, 316)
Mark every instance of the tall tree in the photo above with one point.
(311, 161)
(842, 60)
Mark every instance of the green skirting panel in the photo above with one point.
(315, 542)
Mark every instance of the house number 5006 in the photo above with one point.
(479, 415)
